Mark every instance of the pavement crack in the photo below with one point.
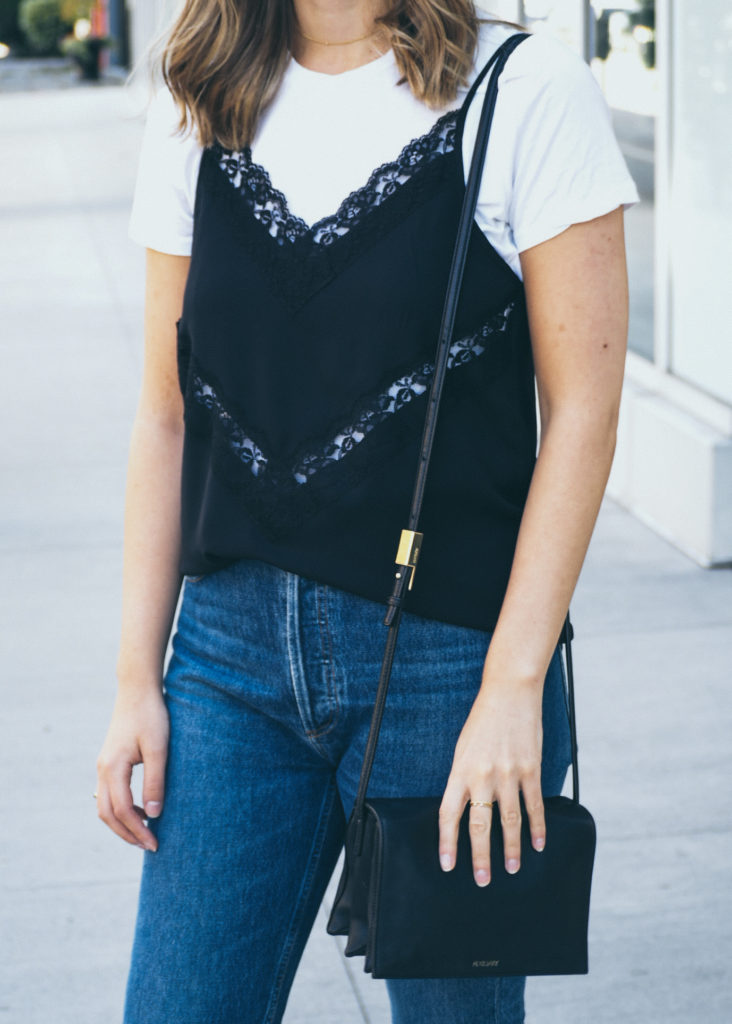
(59, 886)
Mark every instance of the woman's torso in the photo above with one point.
(306, 338)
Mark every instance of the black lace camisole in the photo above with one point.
(304, 356)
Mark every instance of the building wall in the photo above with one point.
(148, 18)
(701, 195)
(673, 466)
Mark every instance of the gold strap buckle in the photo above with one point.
(410, 545)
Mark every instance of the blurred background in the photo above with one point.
(653, 609)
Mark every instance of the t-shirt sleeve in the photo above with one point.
(162, 207)
(553, 159)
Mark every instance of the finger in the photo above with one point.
(153, 785)
(480, 840)
(124, 811)
(511, 824)
(451, 810)
(535, 811)
(105, 813)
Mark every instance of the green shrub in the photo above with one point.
(42, 24)
(9, 28)
(73, 9)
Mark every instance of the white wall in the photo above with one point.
(147, 19)
(700, 214)
(508, 9)
(673, 465)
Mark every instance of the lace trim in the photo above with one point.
(388, 402)
(245, 449)
(269, 206)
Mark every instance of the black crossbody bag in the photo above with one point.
(396, 905)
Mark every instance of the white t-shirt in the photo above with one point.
(552, 160)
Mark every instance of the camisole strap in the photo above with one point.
(497, 62)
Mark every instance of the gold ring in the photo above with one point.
(481, 803)
(94, 795)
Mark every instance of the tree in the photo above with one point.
(9, 28)
(42, 24)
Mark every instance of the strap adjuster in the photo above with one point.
(410, 545)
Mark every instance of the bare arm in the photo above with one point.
(150, 579)
(576, 288)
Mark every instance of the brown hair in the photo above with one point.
(224, 59)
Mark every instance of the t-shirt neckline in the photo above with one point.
(372, 67)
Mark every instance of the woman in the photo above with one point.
(287, 352)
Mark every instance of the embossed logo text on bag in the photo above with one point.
(485, 963)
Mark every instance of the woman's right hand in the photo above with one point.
(138, 734)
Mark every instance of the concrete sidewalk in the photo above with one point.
(653, 651)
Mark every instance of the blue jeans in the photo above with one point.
(270, 689)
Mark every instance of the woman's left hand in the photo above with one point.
(497, 754)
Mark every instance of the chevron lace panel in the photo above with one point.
(384, 404)
(269, 205)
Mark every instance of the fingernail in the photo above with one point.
(512, 866)
(140, 846)
(151, 849)
(446, 862)
(482, 877)
(153, 808)
(539, 843)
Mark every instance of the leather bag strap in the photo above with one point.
(411, 540)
